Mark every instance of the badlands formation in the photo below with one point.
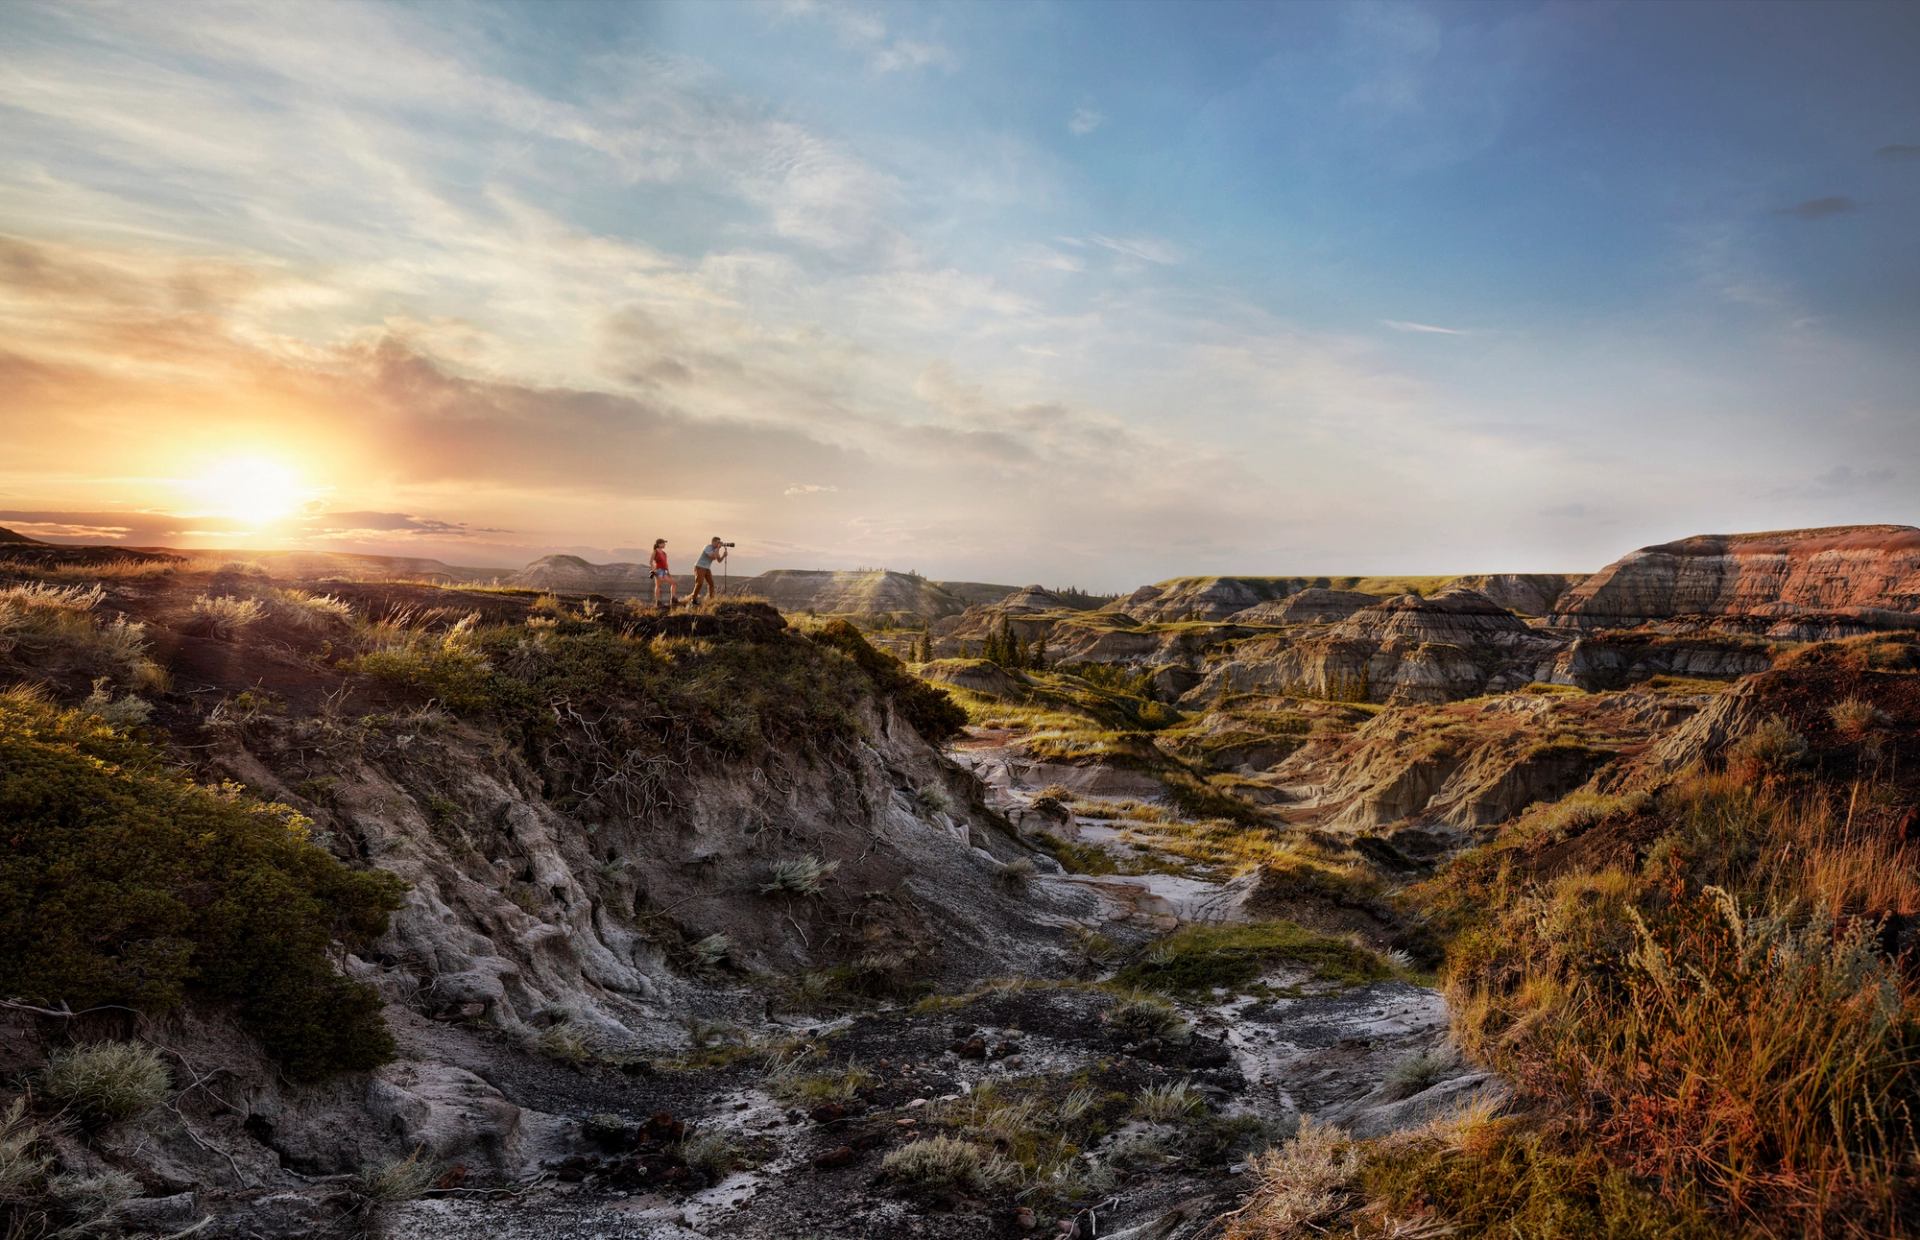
(1250, 906)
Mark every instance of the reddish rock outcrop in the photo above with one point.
(1799, 583)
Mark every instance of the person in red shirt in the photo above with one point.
(660, 573)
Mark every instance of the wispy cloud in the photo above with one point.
(1820, 208)
(809, 488)
(1404, 325)
(1899, 151)
(1084, 121)
(1146, 249)
(1839, 482)
(867, 32)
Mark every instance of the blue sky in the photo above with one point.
(1091, 293)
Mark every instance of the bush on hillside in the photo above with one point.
(931, 712)
(122, 881)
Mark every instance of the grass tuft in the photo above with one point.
(105, 1082)
(799, 876)
(943, 1165)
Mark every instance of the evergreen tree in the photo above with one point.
(1038, 654)
(1020, 652)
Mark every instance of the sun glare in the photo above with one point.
(255, 489)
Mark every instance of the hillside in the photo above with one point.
(1858, 576)
(1217, 598)
(386, 906)
(11, 538)
(874, 592)
(569, 574)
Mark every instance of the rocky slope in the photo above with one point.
(1407, 649)
(1217, 598)
(1465, 765)
(1794, 583)
(1528, 594)
(592, 870)
(1312, 605)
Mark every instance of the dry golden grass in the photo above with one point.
(1721, 1018)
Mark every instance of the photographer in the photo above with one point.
(703, 571)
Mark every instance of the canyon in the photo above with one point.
(734, 921)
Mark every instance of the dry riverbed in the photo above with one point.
(1087, 1109)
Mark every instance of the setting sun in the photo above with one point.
(256, 489)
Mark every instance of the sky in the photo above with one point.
(1072, 293)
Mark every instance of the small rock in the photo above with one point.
(1023, 1218)
(972, 1048)
(838, 1156)
(905, 1123)
(827, 1112)
(916, 1104)
(1005, 1048)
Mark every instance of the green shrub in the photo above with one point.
(931, 712)
(1200, 958)
(1771, 748)
(106, 1081)
(123, 881)
(449, 665)
(1140, 1017)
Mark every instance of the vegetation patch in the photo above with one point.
(106, 1082)
(1199, 959)
(1718, 1011)
(122, 881)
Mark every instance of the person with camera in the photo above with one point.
(703, 571)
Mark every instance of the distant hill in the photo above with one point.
(863, 592)
(1216, 598)
(8, 537)
(867, 593)
(569, 574)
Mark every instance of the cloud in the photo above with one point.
(1147, 249)
(1084, 121)
(1403, 325)
(1899, 151)
(348, 524)
(149, 527)
(809, 488)
(1839, 482)
(867, 32)
(1820, 208)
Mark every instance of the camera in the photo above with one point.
(726, 544)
